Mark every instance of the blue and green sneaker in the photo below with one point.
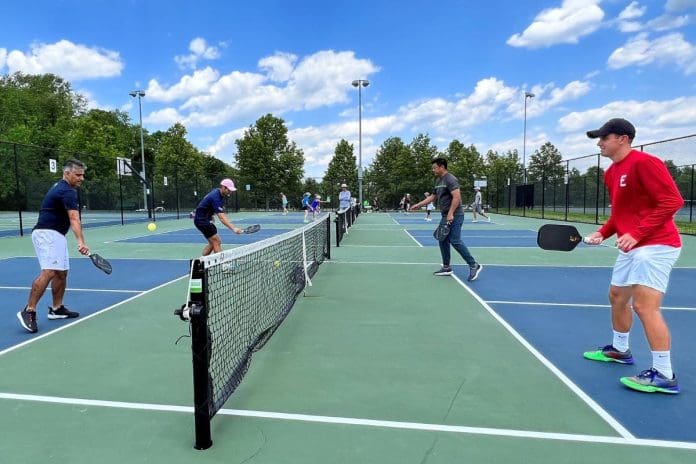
(651, 381)
(609, 354)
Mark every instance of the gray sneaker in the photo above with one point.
(28, 320)
(474, 272)
(444, 271)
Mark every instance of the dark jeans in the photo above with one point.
(455, 239)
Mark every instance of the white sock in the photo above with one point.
(620, 341)
(662, 362)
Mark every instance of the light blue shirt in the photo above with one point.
(344, 199)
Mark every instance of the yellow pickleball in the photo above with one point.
(152, 227)
(276, 263)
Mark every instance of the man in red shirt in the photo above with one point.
(644, 199)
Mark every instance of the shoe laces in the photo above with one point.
(648, 374)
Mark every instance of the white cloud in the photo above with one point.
(320, 79)
(678, 113)
(673, 6)
(632, 11)
(667, 22)
(3, 57)
(163, 117)
(641, 51)
(566, 24)
(195, 84)
(444, 119)
(70, 61)
(200, 50)
(278, 67)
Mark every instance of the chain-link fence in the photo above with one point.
(574, 190)
(113, 192)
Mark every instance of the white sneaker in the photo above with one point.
(475, 220)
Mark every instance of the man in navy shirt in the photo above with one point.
(214, 204)
(58, 214)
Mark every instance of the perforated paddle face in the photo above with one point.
(441, 232)
(101, 263)
(252, 229)
(558, 237)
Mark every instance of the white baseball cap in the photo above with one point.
(229, 184)
(344, 185)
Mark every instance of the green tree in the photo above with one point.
(388, 171)
(466, 163)
(546, 162)
(342, 169)
(267, 160)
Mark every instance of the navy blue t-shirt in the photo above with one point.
(212, 203)
(55, 206)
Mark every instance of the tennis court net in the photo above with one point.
(237, 299)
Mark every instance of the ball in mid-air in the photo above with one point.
(276, 263)
(152, 227)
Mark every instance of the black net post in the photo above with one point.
(200, 346)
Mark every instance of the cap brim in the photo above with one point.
(593, 134)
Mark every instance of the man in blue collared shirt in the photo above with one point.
(58, 214)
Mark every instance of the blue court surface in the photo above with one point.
(89, 290)
(492, 238)
(193, 235)
(563, 311)
(420, 219)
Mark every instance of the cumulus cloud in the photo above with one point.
(668, 49)
(565, 24)
(654, 120)
(628, 16)
(190, 85)
(278, 67)
(70, 61)
(3, 57)
(200, 50)
(285, 83)
(675, 6)
(446, 119)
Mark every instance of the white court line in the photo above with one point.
(413, 238)
(82, 319)
(581, 305)
(608, 418)
(77, 289)
(626, 441)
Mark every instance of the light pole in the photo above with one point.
(140, 94)
(527, 95)
(360, 83)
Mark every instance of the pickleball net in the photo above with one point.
(237, 299)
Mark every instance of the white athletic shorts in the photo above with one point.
(51, 249)
(648, 265)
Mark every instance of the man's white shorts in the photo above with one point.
(51, 249)
(647, 265)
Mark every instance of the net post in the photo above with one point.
(328, 237)
(200, 347)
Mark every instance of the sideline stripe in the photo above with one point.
(608, 418)
(85, 318)
(630, 441)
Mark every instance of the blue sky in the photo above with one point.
(451, 69)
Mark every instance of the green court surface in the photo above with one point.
(379, 362)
